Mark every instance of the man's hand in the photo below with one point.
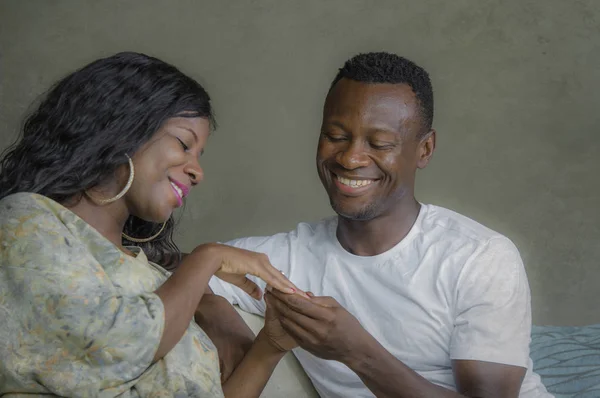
(320, 325)
(227, 330)
(275, 333)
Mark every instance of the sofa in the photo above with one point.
(568, 359)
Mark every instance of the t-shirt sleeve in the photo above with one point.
(493, 307)
(277, 248)
(68, 332)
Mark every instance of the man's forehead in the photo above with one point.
(372, 103)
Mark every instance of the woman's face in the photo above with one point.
(166, 168)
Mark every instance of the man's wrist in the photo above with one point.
(365, 349)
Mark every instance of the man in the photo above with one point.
(408, 299)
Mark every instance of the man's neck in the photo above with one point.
(376, 236)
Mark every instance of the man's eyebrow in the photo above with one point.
(337, 124)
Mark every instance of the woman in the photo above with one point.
(87, 197)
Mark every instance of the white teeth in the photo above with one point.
(179, 191)
(354, 183)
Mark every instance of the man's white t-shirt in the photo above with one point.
(451, 289)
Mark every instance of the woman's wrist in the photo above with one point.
(252, 374)
(267, 347)
(206, 256)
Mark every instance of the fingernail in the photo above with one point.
(293, 290)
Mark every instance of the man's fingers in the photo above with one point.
(284, 311)
(323, 300)
(271, 312)
(296, 331)
(302, 305)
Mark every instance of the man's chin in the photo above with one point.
(364, 213)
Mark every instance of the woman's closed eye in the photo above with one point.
(184, 146)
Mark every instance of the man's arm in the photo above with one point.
(324, 328)
(386, 376)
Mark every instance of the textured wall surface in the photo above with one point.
(517, 116)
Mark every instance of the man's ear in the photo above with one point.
(425, 149)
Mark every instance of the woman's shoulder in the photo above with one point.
(24, 202)
(39, 233)
(24, 213)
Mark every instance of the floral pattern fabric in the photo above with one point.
(79, 318)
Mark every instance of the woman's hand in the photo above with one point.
(236, 263)
(182, 292)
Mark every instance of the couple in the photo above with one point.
(404, 299)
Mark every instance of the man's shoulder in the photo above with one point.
(452, 225)
(472, 249)
(463, 235)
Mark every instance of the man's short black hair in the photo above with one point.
(383, 67)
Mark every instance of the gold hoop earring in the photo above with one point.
(103, 202)
(144, 240)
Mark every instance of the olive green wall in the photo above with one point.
(517, 92)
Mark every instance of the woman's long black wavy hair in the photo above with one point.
(86, 125)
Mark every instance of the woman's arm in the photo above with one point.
(181, 293)
(180, 296)
(227, 330)
(252, 374)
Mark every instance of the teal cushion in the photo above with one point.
(568, 359)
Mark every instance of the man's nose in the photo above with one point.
(353, 156)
